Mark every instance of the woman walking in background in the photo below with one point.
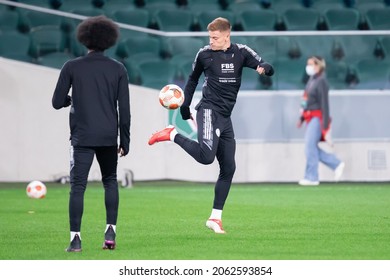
(315, 112)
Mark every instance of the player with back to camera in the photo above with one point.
(315, 112)
(221, 62)
(100, 106)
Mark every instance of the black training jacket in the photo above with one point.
(222, 70)
(100, 106)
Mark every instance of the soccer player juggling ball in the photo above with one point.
(100, 109)
(221, 62)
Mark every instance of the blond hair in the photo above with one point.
(320, 61)
(219, 24)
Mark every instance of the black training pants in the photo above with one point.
(215, 139)
(80, 164)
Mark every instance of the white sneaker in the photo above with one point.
(215, 225)
(338, 172)
(305, 182)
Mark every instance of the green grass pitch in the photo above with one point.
(166, 221)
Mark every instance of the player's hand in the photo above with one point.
(68, 101)
(185, 112)
(260, 70)
(121, 152)
(265, 69)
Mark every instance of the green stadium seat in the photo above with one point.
(353, 48)
(178, 46)
(15, 45)
(324, 5)
(198, 6)
(258, 20)
(314, 45)
(290, 74)
(136, 45)
(40, 3)
(336, 72)
(9, 20)
(385, 43)
(174, 20)
(250, 79)
(239, 7)
(267, 47)
(46, 39)
(111, 6)
(342, 19)
(71, 5)
(373, 74)
(378, 19)
(301, 19)
(137, 17)
(203, 18)
(55, 59)
(131, 63)
(366, 5)
(156, 74)
(281, 6)
(32, 19)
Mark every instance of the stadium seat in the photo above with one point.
(342, 19)
(111, 6)
(281, 6)
(258, 20)
(136, 45)
(9, 20)
(70, 5)
(250, 79)
(131, 63)
(365, 5)
(46, 39)
(266, 47)
(174, 20)
(324, 5)
(314, 45)
(178, 46)
(373, 74)
(354, 47)
(40, 3)
(32, 19)
(378, 19)
(301, 19)
(156, 74)
(239, 7)
(15, 45)
(385, 43)
(290, 74)
(198, 6)
(205, 17)
(336, 72)
(138, 17)
(55, 59)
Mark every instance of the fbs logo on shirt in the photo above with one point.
(227, 67)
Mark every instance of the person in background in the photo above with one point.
(100, 110)
(315, 113)
(221, 62)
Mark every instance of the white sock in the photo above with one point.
(173, 134)
(216, 214)
(73, 234)
(113, 227)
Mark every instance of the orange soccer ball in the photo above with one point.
(171, 97)
(36, 189)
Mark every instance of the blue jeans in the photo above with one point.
(314, 154)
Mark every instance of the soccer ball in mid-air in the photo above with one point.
(171, 97)
(36, 189)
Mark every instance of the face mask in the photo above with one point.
(310, 70)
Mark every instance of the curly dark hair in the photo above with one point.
(98, 33)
